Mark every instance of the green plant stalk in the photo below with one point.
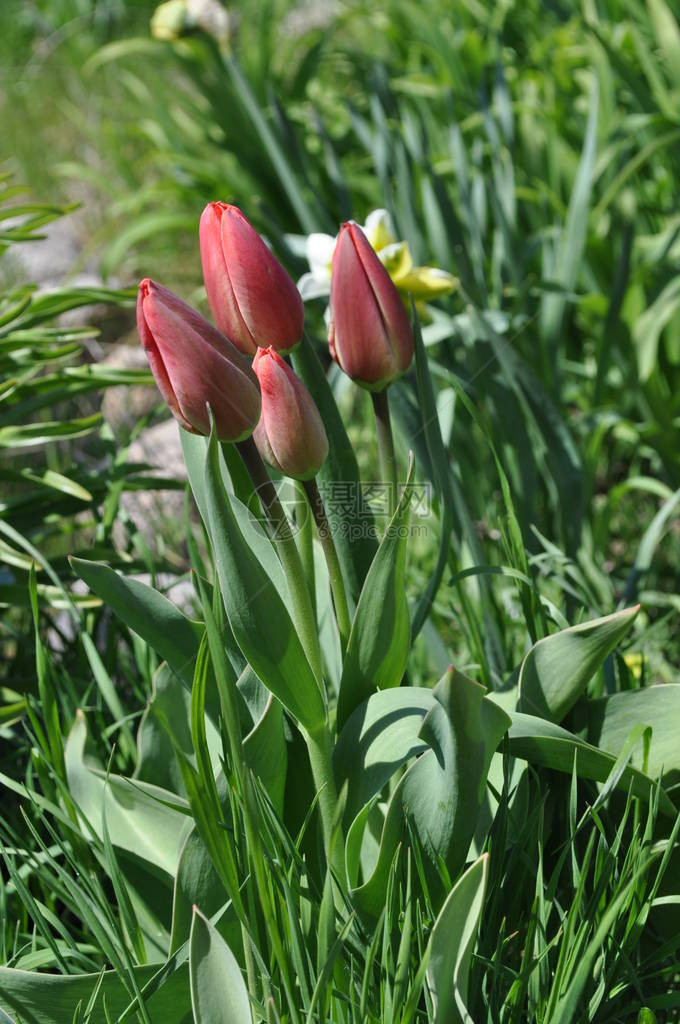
(388, 460)
(320, 749)
(342, 616)
(305, 540)
(289, 555)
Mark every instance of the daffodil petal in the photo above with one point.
(427, 282)
(379, 229)
(314, 286)
(396, 259)
(320, 249)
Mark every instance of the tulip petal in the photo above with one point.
(358, 333)
(156, 360)
(197, 370)
(388, 300)
(221, 299)
(290, 434)
(268, 300)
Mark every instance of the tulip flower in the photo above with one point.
(252, 298)
(290, 435)
(194, 364)
(370, 333)
(423, 283)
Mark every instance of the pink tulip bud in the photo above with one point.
(290, 435)
(370, 334)
(194, 364)
(252, 298)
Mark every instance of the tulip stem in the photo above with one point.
(333, 563)
(388, 460)
(305, 538)
(284, 540)
(320, 750)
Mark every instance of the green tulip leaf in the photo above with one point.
(266, 753)
(173, 636)
(195, 449)
(196, 884)
(349, 520)
(218, 992)
(257, 615)
(541, 742)
(379, 641)
(456, 732)
(610, 720)
(444, 793)
(52, 998)
(172, 704)
(142, 819)
(452, 944)
(380, 735)
(557, 669)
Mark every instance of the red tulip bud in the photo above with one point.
(193, 364)
(252, 298)
(290, 435)
(370, 334)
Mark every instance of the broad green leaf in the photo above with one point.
(195, 450)
(218, 992)
(379, 642)
(258, 617)
(541, 742)
(145, 820)
(170, 705)
(266, 752)
(339, 478)
(441, 793)
(173, 636)
(611, 719)
(452, 944)
(379, 736)
(52, 998)
(444, 791)
(557, 669)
